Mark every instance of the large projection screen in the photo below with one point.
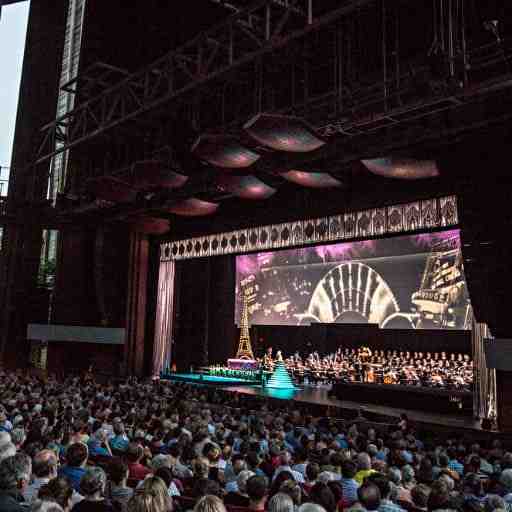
(406, 282)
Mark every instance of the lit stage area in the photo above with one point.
(378, 318)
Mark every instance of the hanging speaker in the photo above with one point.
(311, 179)
(284, 133)
(193, 207)
(402, 168)
(224, 151)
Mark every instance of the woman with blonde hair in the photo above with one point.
(141, 502)
(210, 503)
(155, 487)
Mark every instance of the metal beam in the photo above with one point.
(238, 41)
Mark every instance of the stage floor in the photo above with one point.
(319, 395)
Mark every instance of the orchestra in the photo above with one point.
(436, 370)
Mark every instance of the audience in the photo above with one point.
(174, 447)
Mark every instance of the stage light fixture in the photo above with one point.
(246, 187)
(312, 179)
(283, 133)
(402, 168)
(224, 151)
(154, 173)
(193, 207)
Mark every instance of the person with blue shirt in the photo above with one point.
(76, 456)
(120, 440)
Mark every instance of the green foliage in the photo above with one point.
(46, 275)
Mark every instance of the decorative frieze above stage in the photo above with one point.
(403, 218)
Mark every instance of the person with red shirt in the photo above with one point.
(136, 470)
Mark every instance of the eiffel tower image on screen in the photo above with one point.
(244, 345)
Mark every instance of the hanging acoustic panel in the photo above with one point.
(311, 179)
(149, 174)
(194, 207)
(402, 168)
(283, 133)
(224, 151)
(246, 187)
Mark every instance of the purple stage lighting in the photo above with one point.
(283, 133)
(224, 151)
(194, 207)
(402, 168)
(246, 187)
(312, 179)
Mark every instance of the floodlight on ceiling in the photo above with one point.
(246, 187)
(224, 151)
(312, 179)
(147, 174)
(402, 168)
(283, 133)
(193, 207)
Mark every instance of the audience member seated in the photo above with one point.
(15, 474)
(76, 456)
(44, 469)
(134, 456)
(59, 491)
(118, 491)
(92, 488)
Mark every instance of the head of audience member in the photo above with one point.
(134, 453)
(210, 503)
(77, 455)
(58, 490)
(118, 472)
(369, 496)
(419, 496)
(322, 495)
(257, 490)
(294, 490)
(92, 484)
(45, 464)
(280, 502)
(15, 472)
(155, 486)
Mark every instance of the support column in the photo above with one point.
(136, 305)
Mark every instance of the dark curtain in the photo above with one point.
(204, 324)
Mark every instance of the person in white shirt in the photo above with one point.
(286, 459)
(44, 469)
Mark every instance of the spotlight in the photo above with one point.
(224, 151)
(312, 179)
(194, 207)
(402, 168)
(154, 173)
(246, 187)
(283, 133)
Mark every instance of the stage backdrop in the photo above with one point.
(406, 282)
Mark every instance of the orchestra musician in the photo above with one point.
(439, 370)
